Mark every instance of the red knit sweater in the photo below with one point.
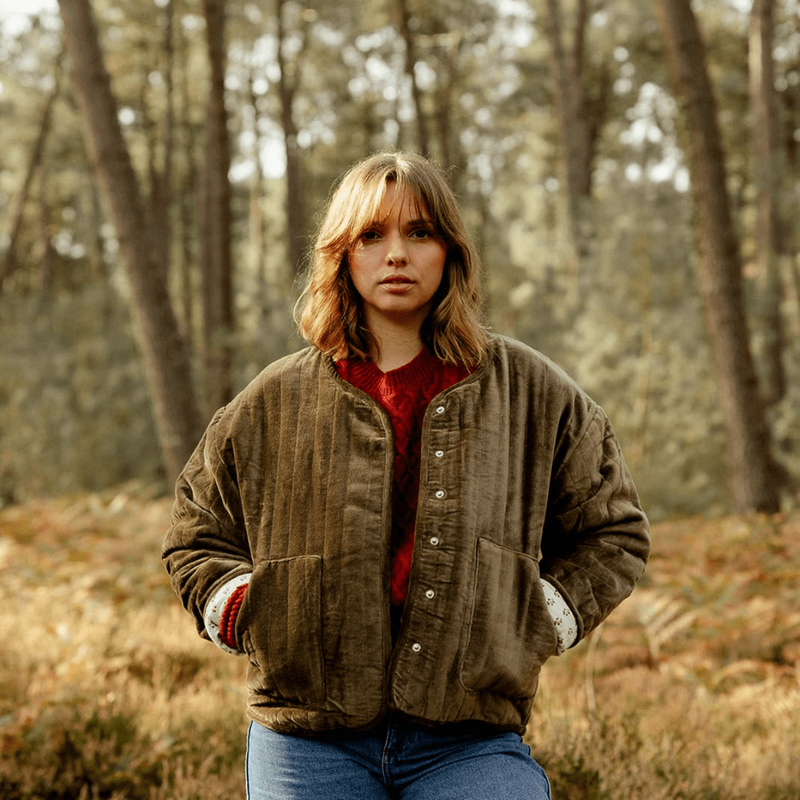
(405, 393)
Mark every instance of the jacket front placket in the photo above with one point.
(430, 633)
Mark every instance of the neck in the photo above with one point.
(395, 348)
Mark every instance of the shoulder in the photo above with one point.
(291, 370)
(277, 387)
(537, 389)
(527, 365)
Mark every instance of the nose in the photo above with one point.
(396, 253)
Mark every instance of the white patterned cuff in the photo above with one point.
(217, 605)
(563, 618)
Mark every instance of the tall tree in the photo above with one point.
(218, 320)
(165, 357)
(162, 137)
(571, 102)
(257, 221)
(580, 116)
(768, 170)
(288, 83)
(404, 25)
(751, 470)
(445, 95)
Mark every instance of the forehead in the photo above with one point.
(393, 199)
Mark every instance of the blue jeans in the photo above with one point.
(398, 760)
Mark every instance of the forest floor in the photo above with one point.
(691, 689)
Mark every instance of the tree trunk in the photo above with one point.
(46, 256)
(189, 207)
(403, 23)
(258, 223)
(295, 192)
(218, 280)
(450, 154)
(751, 470)
(573, 112)
(768, 168)
(165, 357)
(10, 262)
(161, 141)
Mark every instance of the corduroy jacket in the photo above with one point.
(521, 477)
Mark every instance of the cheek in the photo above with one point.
(356, 271)
(440, 267)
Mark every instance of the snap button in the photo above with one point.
(439, 453)
(434, 540)
(440, 409)
(416, 647)
(430, 594)
(440, 494)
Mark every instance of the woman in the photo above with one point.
(401, 523)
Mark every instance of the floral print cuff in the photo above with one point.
(563, 618)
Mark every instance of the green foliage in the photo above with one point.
(627, 324)
(76, 412)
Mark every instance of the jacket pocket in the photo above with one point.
(510, 633)
(280, 628)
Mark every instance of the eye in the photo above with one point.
(370, 236)
(422, 233)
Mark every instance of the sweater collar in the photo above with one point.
(369, 377)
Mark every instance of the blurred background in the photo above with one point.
(630, 171)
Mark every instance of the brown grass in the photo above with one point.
(690, 690)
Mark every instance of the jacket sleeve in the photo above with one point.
(597, 538)
(206, 544)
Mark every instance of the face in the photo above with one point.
(397, 263)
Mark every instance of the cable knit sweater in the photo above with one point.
(405, 394)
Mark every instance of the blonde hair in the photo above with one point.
(329, 312)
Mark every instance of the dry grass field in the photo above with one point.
(691, 690)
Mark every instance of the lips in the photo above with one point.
(397, 280)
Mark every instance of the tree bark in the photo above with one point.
(165, 358)
(572, 108)
(217, 279)
(189, 206)
(752, 472)
(449, 150)
(295, 190)
(768, 168)
(403, 22)
(46, 257)
(161, 140)
(258, 223)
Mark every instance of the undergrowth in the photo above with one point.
(689, 691)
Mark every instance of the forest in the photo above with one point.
(630, 170)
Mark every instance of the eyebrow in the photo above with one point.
(378, 222)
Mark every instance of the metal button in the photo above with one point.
(430, 594)
(434, 540)
(439, 453)
(440, 409)
(416, 647)
(440, 494)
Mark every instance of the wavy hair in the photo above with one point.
(329, 312)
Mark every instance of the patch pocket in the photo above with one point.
(511, 633)
(280, 628)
